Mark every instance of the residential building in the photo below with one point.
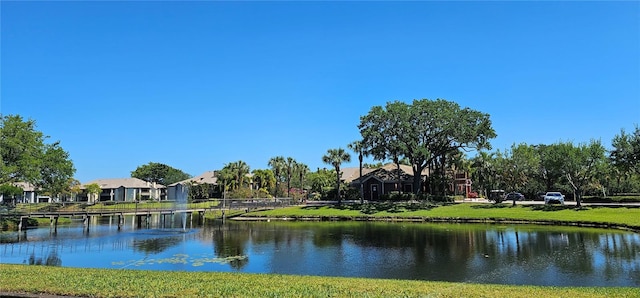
(207, 180)
(30, 194)
(387, 179)
(126, 189)
(383, 180)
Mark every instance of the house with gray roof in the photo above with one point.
(207, 182)
(126, 190)
(30, 194)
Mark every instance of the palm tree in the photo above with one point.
(358, 147)
(336, 157)
(239, 169)
(289, 165)
(263, 178)
(484, 169)
(302, 171)
(225, 178)
(277, 164)
(233, 174)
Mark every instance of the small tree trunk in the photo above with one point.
(338, 186)
(360, 180)
(277, 184)
(399, 184)
(288, 185)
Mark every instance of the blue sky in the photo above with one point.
(196, 85)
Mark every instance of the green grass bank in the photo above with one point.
(83, 282)
(604, 217)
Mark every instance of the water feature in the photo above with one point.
(503, 254)
(181, 203)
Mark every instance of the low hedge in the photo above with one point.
(611, 199)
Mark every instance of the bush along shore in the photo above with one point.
(625, 218)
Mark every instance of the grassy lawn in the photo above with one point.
(47, 221)
(137, 283)
(216, 214)
(621, 217)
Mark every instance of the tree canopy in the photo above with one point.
(94, 191)
(626, 153)
(233, 175)
(423, 131)
(159, 173)
(264, 178)
(27, 158)
(320, 179)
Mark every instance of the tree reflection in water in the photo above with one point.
(229, 241)
(155, 245)
(464, 252)
(52, 259)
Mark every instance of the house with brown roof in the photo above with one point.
(383, 180)
(387, 179)
(126, 190)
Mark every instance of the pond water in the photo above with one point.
(502, 254)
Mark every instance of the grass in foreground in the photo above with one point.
(629, 217)
(134, 283)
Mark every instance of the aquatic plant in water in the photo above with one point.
(180, 259)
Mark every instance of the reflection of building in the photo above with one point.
(207, 179)
(126, 189)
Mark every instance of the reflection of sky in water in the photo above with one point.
(469, 253)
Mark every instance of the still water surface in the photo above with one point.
(503, 254)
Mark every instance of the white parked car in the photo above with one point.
(553, 197)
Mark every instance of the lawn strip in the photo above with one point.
(600, 217)
(140, 283)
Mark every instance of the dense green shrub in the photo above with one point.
(352, 194)
(240, 193)
(612, 199)
(10, 223)
(264, 193)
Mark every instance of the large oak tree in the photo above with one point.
(423, 131)
(159, 173)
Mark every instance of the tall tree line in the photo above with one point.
(576, 169)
